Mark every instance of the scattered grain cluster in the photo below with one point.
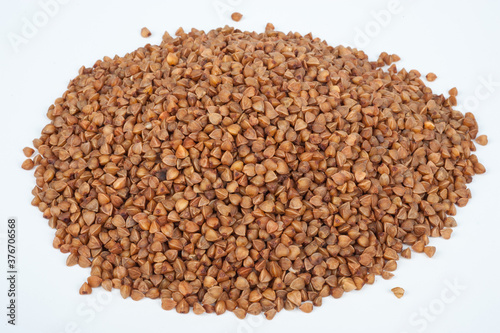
(245, 172)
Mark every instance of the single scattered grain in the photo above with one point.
(306, 307)
(85, 289)
(28, 152)
(398, 292)
(429, 251)
(145, 32)
(28, 164)
(236, 16)
(431, 77)
(482, 140)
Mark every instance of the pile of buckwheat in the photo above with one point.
(245, 172)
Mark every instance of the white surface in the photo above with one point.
(457, 40)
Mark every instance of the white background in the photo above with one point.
(457, 40)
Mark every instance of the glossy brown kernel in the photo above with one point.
(431, 77)
(398, 292)
(482, 140)
(145, 32)
(236, 16)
